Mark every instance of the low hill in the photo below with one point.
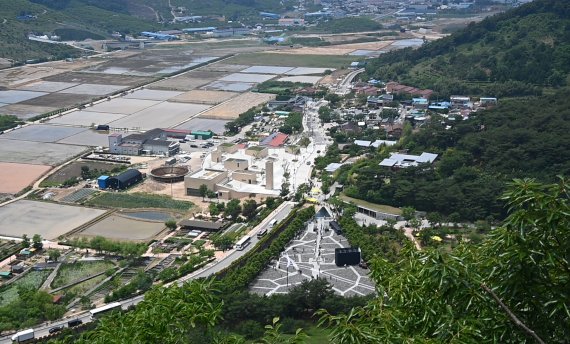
(514, 53)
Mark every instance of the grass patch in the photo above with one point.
(138, 200)
(378, 207)
(32, 279)
(81, 288)
(68, 273)
(291, 60)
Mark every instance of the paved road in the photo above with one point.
(301, 170)
(279, 214)
(344, 86)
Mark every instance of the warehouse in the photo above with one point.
(152, 142)
(201, 225)
(125, 179)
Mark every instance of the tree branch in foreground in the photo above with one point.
(511, 315)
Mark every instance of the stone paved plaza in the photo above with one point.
(311, 255)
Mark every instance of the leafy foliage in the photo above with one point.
(31, 307)
(8, 121)
(431, 296)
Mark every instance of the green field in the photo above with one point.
(138, 200)
(33, 279)
(290, 60)
(68, 273)
(83, 287)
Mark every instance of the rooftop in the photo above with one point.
(406, 160)
(206, 174)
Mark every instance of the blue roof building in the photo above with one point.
(103, 182)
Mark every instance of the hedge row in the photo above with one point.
(240, 274)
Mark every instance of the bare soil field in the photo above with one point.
(42, 133)
(74, 170)
(234, 107)
(204, 97)
(180, 83)
(58, 100)
(341, 49)
(163, 115)
(116, 227)
(122, 106)
(188, 81)
(16, 177)
(97, 78)
(37, 153)
(15, 77)
(49, 220)
(224, 67)
(25, 111)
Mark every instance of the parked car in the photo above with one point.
(55, 329)
(193, 146)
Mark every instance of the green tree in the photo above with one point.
(249, 209)
(213, 209)
(203, 191)
(233, 209)
(25, 241)
(223, 242)
(408, 213)
(37, 242)
(171, 224)
(325, 114)
(54, 254)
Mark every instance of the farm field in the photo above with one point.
(163, 115)
(229, 86)
(204, 97)
(102, 79)
(85, 118)
(38, 153)
(47, 86)
(42, 133)
(49, 220)
(138, 200)
(59, 100)
(123, 228)
(123, 106)
(292, 60)
(93, 89)
(15, 177)
(32, 279)
(68, 273)
(147, 94)
(233, 108)
(25, 111)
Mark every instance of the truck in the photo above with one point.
(23, 336)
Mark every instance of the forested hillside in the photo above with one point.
(509, 54)
(519, 138)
